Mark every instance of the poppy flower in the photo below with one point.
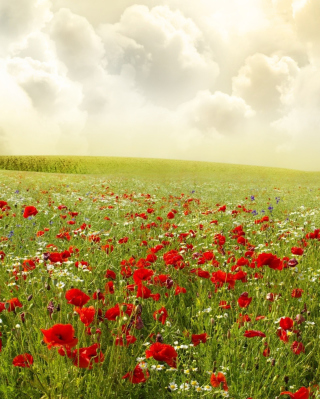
(60, 335)
(110, 274)
(180, 290)
(3, 204)
(142, 275)
(302, 393)
(86, 315)
(109, 287)
(2, 255)
(244, 300)
(14, 303)
(215, 381)
(76, 297)
(267, 259)
(297, 251)
(130, 339)
(24, 360)
(199, 338)
(224, 305)
(112, 313)
(297, 347)
(137, 376)
(84, 357)
(286, 323)
(282, 334)
(163, 315)
(253, 333)
(296, 293)
(163, 353)
(170, 215)
(29, 211)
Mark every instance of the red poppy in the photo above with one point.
(266, 351)
(3, 204)
(24, 360)
(163, 353)
(200, 273)
(296, 293)
(84, 357)
(14, 303)
(199, 338)
(170, 215)
(110, 274)
(109, 287)
(267, 259)
(282, 334)
(297, 251)
(297, 347)
(163, 314)
(60, 335)
(86, 315)
(253, 333)
(244, 300)
(137, 376)
(2, 255)
(180, 290)
(286, 323)
(112, 313)
(30, 211)
(130, 339)
(217, 380)
(76, 297)
(302, 393)
(142, 275)
(224, 305)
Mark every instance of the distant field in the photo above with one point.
(155, 168)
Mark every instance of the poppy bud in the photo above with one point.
(273, 363)
(22, 317)
(228, 334)
(29, 297)
(300, 319)
(243, 365)
(292, 262)
(159, 338)
(286, 379)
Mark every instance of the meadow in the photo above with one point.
(136, 278)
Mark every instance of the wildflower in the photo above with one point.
(29, 211)
(302, 393)
(217, 380)
(163, 353)
(173, 386)
(24, 360)
(137, 376)
(60, 335)
(76, 297)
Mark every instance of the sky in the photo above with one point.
(234, 81)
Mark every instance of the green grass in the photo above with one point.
(125, 188)
(155, 168)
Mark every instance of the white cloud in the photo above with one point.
(168, 52)
(266, 83)
(217, 113)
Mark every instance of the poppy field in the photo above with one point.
(133, 287)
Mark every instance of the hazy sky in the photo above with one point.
(215, 80)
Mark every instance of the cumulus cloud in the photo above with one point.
(162, 79)
(217, 113)
(266, 83)
(168, 52)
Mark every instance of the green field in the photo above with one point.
(140, 235)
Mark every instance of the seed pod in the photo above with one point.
(29, 297)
